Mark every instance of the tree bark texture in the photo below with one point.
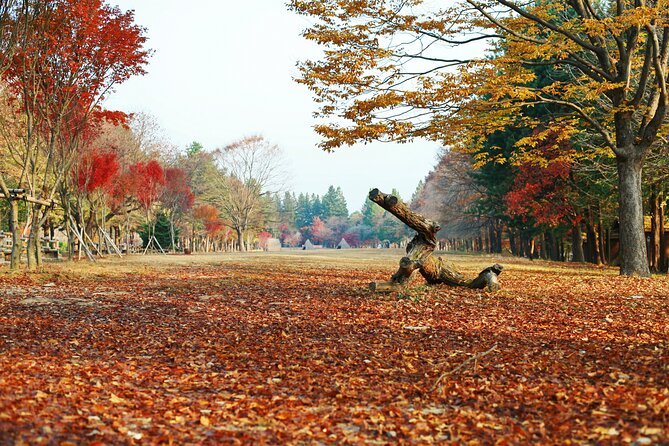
(655, 231)
(419, 251)
(633, 258)
(577, 243)
(664, 249)
(15, 259)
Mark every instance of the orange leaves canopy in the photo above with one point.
(397, 70)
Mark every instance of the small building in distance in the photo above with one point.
(343, 244)
(308, 245)
(273, 245)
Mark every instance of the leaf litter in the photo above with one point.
(291, 354)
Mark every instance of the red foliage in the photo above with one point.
(263, 237)
(123, 187)
(352, 238)
(288, 236)
(72, 55)
(96, 171)
(319, 232)
(149, 180)
(205, 212)
(93, 126)
(206, 353)
(213, 227)
(208, 215)
(542, 190)
(177, 194)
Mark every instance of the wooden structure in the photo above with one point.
(154, 245)
(419, 256)
(50, 247)
(22, 195)
(5, 245)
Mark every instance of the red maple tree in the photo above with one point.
(263, 237)
(177, 194)
(208, 215)
(72, 55)
(149, 181)
(319, 232)
(543, 188)
(96, 170)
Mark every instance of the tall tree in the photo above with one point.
(390, 87)
(289, 209)
(334, 203)
(194, 148)
(303, 214)
(254, 168)
(71, 54)
(176, 199)
(370, 212)
(150, 183)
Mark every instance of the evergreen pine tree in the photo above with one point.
(161, 232)
(303, 207)
(316, 207)
(289, 209)
(334, 203)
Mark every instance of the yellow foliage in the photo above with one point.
(396, 70)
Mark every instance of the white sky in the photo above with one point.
(223, 70)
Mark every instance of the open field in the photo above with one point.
(291, 348)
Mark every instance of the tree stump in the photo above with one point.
(419, 256)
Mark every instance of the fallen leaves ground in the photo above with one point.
(293, 349)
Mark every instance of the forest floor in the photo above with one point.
(292, 348)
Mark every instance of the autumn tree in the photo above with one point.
(253, 167)
(71, 55)
(543, 192)
(10, 30)
(448, 195)
(148, 137)
(149, 185)
(176, 198)
(318, 232)
(213, 225)
(399, 70)
(94, 176)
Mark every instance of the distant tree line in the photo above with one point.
(325, 220)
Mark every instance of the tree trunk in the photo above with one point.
(15, 258)
(594, 256)
(35, 232)
(553, 246)
(172, 235)
(577, 244)
(600, 239)
(240, 239)
(419, 253)
(655, 231)
(633, 259)
(663, 237)
(608, 246)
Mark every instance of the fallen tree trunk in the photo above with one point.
(419, 256)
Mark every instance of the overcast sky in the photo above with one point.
(223, 70)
